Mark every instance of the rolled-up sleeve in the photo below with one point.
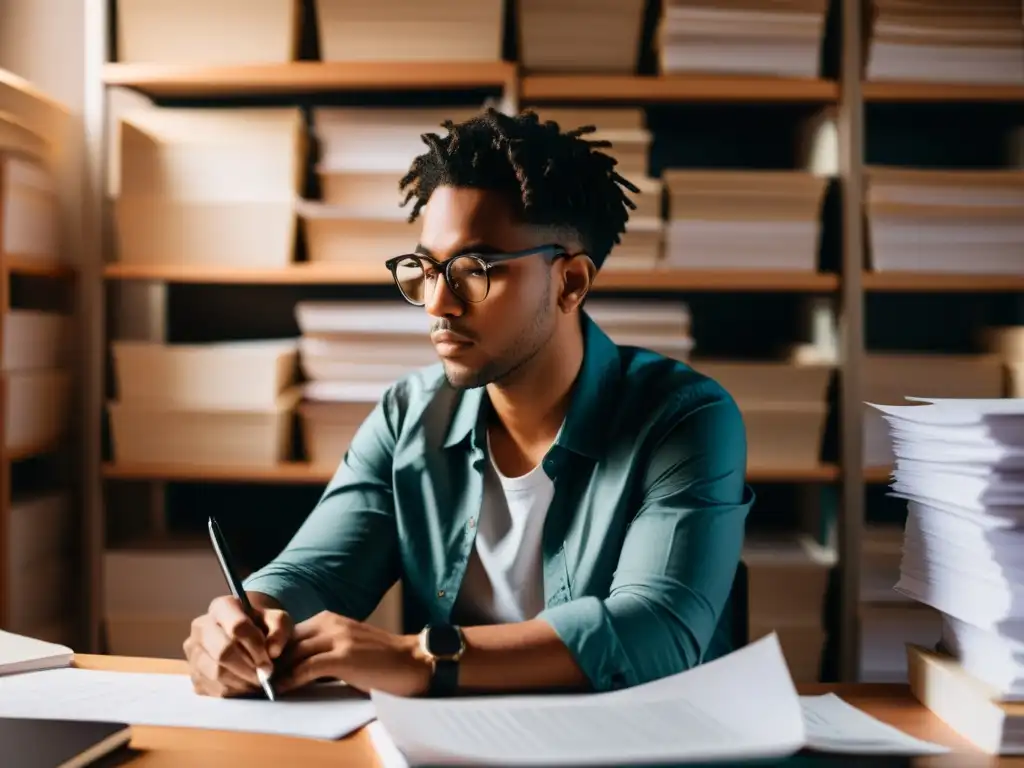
(344, 557)
(678, 559)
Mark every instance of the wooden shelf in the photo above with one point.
(14, 265)
(877, 475)
(925, 282)
(675, 88)
(879, 92)
(168, 80)
(300, 473)
(363, 274)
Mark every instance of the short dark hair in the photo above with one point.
(560, 180)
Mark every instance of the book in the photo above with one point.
(27, 654)
(59, 743)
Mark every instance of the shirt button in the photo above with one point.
(440, 593)
(471, 523)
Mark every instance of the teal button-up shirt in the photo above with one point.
(640, 545)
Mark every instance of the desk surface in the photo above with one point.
(166, 747)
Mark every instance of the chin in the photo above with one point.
(464, 377)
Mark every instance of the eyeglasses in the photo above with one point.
(467, 275)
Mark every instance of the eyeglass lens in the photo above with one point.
(467, 278)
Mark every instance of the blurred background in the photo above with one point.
(197, 197)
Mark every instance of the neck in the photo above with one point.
(532, 405)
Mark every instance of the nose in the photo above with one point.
(441, 302)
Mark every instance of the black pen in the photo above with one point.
(220, 546)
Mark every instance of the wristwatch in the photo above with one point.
(443, 645)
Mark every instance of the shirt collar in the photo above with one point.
(592, 402)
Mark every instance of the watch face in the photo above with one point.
(444, 640)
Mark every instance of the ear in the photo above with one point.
(577, 277)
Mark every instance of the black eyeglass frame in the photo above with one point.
(487, 261)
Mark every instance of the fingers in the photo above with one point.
(279, 631)
(228, 614)
(310, 646)
(218, 666)
(307, 671)
(210, 679)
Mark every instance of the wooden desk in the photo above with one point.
(167, 747)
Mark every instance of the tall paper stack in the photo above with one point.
(411, 30)
(761, 37)
(607, 40)
(966, 222)
(948, 41)
(351, 352)
(958, 466)
(205, 187)
(626, 129)
(660, 326)
(784, 406)
(761, 220)
(364, 153)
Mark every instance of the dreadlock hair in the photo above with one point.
(560, 180)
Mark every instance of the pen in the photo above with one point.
(220, 546)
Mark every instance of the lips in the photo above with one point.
(449, 343)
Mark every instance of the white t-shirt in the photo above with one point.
(504, 579)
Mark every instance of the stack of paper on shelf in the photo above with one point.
(1008, 344)
(606, 39)
(888, 376)
(202, 33)
(784, 405)
(959, 465)
(351, 352)
(660, 326)
(758, 220)
(787, 579)
(759, 37)
(216, 404)
(209, 187)
(28, 205)
(364, 153)
(888, 619)
(947, 41)
(967, 222)
(626, 129)
(463, 31)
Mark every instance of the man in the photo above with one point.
(562, 513)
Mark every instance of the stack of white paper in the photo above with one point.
(706, 714)
(960, 466)
(351, 351)
(758, 220)
(660, 326)
(968, 222)
(363, 154)
(607, 40)
(949, 41)
(757, 37)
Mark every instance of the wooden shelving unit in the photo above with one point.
(849, 285)
(361, 274)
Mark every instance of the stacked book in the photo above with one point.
(350, 352)
(410, 30)
(660, 326)
(959, 465)
(607, 39)
(966, 222)
(757, 220)
(626, 129)
(208, 187)
(948, 41)
(756, 37)
(364, 153)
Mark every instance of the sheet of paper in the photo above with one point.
(833, 725)
(703, 714)
(22, 654)
(322, 712)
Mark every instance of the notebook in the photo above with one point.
(26, 654)
(59, 743)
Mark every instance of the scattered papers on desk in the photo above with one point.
(321, 712)
(708, 713)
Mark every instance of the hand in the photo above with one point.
(226, 647)
(365, 657)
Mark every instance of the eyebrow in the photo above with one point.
(481, 248)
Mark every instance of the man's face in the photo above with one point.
(484, 342)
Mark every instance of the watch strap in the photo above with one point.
(445, 679)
